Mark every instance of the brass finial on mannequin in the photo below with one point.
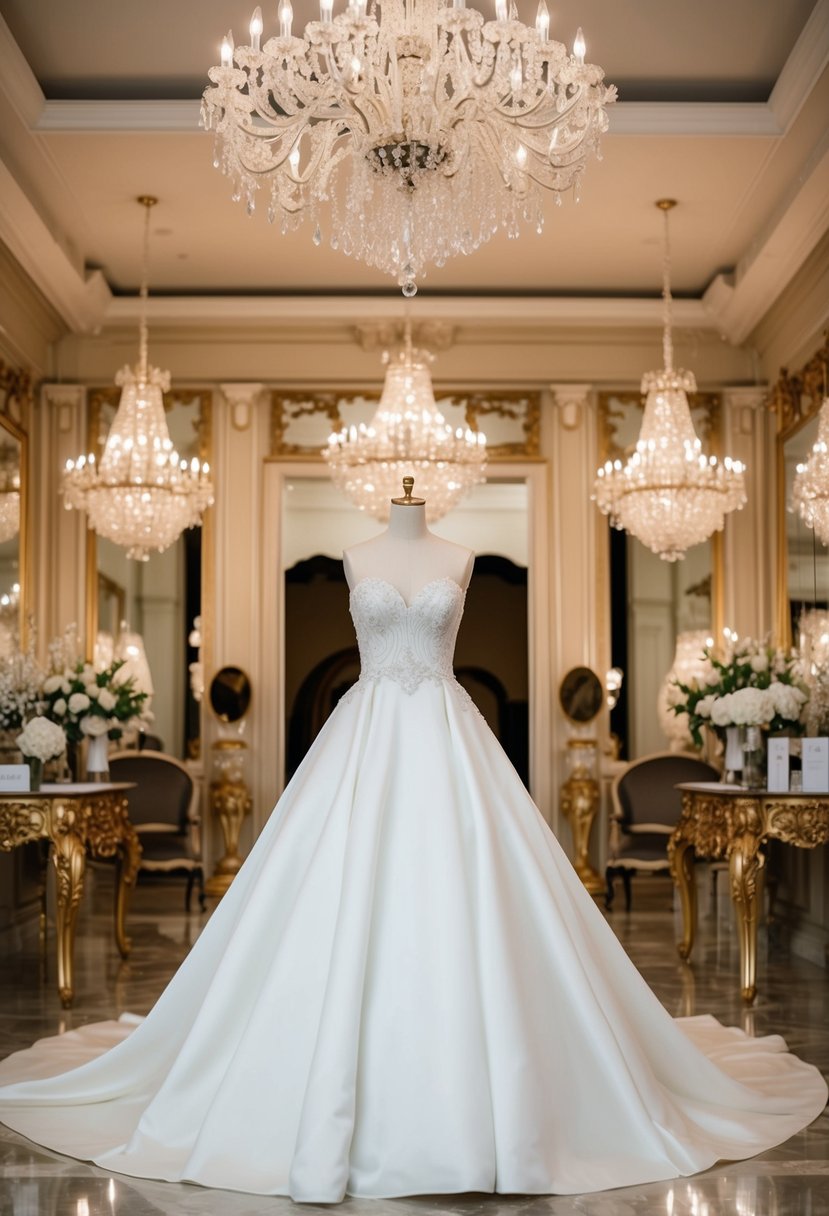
(407, 500)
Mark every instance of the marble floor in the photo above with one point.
(791, 1180)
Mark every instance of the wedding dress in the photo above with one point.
(407, 990)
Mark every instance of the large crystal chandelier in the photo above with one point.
(412, 130)
(669, 494)
(810, 490)
(408, 436)
(141, 494)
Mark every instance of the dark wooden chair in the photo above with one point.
(163, 808)
(646, 809)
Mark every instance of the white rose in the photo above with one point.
(94, 726)
(704, 706)
(78, 702)
(759, 663)
(93, 691)
(52, 684)
(59, 707)
(106, 699)
(66, 687)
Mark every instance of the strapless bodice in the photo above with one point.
(407, 643)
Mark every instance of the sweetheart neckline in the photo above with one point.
(385, 583)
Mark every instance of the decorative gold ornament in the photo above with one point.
(579, 802)
(230, 803)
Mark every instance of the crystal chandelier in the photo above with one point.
(669, 495)
(408, 436)
(412, 129)
(810, 490)
(141, 494)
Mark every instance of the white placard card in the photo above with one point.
(816, 766)
(14, 778)
(778, 772)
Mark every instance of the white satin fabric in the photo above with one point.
(407, 990)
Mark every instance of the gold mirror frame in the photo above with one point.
(581, 695)
(15, 399)
(796, 399)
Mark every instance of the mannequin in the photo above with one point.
(407, 555)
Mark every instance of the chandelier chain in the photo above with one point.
(667, 298)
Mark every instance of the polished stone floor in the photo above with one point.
(791, 1180)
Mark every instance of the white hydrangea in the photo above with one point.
(78, 702)
(107, 700)
(41, 739)
(59, 707)
(94, 725)
(759, 663)
(745, 707)
(704, 705)
(787, 699)
(52, 684)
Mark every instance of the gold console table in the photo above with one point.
(732, 823)
(76, 820)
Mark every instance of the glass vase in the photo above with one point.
(35, 773)
(754, 758)
(733, 759)
(97, 758)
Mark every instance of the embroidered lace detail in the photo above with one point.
(407, 643)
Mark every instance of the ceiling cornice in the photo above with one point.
(504, 312)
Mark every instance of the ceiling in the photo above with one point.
(722, 105)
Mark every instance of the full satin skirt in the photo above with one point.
(407, 990)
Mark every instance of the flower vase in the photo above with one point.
(35, 772)
(754, 759)
(733, 760)
(97, 759)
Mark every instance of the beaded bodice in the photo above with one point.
(407, 643)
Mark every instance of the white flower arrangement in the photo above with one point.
(21, 681)
(751, 684)
(41, 739)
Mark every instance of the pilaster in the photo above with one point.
(749, 535)
(58, 536)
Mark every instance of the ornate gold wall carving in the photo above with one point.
(519, 413)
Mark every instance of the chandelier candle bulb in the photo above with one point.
(227, 50)
(542, 21)
(256, 27)
(579, 46)
(286, 19)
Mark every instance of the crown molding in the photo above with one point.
(317, 311)
(738, 302)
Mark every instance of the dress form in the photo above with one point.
(407, 555)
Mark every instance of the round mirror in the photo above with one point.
(230, 694)
(581, 694)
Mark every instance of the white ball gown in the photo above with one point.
(407, 990)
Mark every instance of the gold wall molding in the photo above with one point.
(797, 396)
(103, 402)
(517, 412)
(706, 411)
(16, 393)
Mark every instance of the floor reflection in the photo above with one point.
(791, 1180)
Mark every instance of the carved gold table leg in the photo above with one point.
(745, 864)
(579, 804)
(68, 857)
(682, 871)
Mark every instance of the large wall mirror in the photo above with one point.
(13, 472)
(803, 561)
(15, 399)
(153, 609)
(655, 606)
